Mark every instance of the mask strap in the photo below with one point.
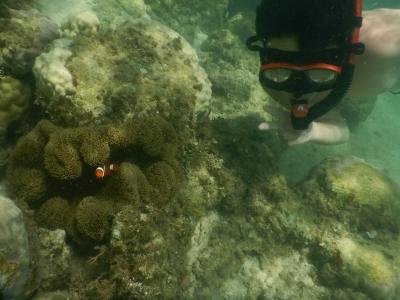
(356, 48)
(252, 45)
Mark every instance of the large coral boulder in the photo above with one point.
(139, 69)
(356, 193)
(53, 170)
(366, 268)
(14, 251)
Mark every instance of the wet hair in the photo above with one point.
(317, 23)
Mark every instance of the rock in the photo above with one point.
(54, 266)
(14, 250)
(356, 193)
(365, 268)
(274, 277)
(24, 35)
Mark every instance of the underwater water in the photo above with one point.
(370, 140)
(132, 167)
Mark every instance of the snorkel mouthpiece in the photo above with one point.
(299, 114)
(300, 109)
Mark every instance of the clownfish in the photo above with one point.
(105, 170)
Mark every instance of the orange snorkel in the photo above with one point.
(357, 47)
(301, 122)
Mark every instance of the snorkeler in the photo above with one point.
(313, 53)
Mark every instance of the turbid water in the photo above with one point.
(132, 166)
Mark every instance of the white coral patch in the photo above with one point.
(53, 79)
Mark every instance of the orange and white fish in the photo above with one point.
(105, 170)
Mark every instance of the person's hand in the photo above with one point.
(281, 122)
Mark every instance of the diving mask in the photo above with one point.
(300, 72)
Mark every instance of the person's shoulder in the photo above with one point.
(381, 31)
(387, 15)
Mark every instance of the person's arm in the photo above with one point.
(329, 133)
(378, 69)
(330, 129)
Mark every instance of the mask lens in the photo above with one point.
(321, 75)
(277, 75)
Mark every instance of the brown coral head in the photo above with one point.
(61, 160)
(92, 220)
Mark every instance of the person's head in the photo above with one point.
(305, 45)
(315, 24)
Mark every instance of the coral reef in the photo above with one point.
(55, 213)
(356, 193)
(52, 169)
(251, 153)
(235, 86)
(142, 250)
(54, 265)
(236, 261)
(14, 100)
(61, 160)
(29, 184)
(197, 207)
(360, 206)
(92, 220)
(220, 43)
(130, 185)
(190, 19)
(267, 277)
(53, 79)
(24, 35)
(366, 268)
(143, 69)
(286, 245)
